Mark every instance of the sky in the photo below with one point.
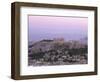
(50, 27)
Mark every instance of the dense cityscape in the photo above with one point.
(57, 52)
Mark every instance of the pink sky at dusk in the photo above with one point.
(49, 27)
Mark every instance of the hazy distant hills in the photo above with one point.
(84, 40)
(46, 45)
